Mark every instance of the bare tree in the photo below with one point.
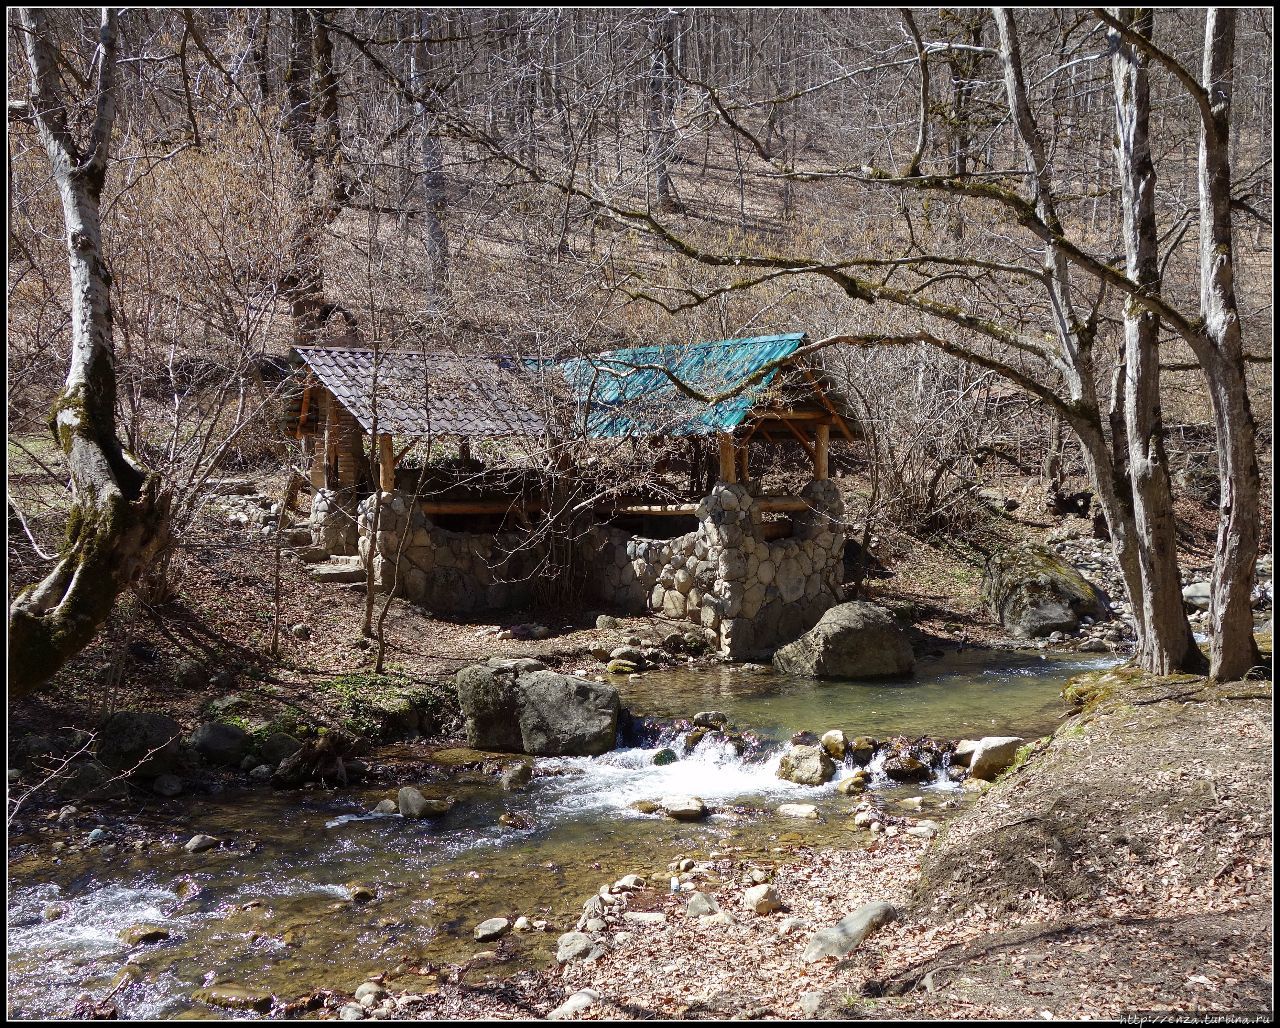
(119, 516)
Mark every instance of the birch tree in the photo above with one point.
(119, 515)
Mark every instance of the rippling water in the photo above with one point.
(436, 879)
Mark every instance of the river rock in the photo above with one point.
(200, 843)
(684, 808)
(573, 946)
(843, 937)
(135, 741)
(964, 752)
(906, 768)
(710, 719)
(576, 1004)
(1196, 596)
(1035, 593)
(142, 934)
(370, 990)
(992, 755)
(806, 765)
(167, 786)
(763, 899)
(221, 743)
(699, 904)
(516, 777)
(536, 711)
(234, 997)
(413, 804)
(279, 745)
(801, 810)
(851, 640)
(665, 756)
(494, 928)
(835, 743)
(89, 780)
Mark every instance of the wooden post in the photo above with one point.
(744, 471)
(386, 464)
(728, 469)
(464, 450)
(822, 438)
(330, 443)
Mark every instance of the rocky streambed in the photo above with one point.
(297, 897)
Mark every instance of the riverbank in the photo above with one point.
(1125, 865)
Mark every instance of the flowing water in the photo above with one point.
(275, 913)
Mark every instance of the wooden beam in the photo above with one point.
(803, 441)
(330, 442)
(512, 506)
(744, 471)
(822, 437)
(782, 504)
(386, 464)
(821, 390)
(657, 508)
(306, 405)
(728, 464)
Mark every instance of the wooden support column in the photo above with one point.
(728, 468)
(386, 464)
(744, 471)
(329, 469)
(822, 440)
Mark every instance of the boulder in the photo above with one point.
(806, 765)
(221, 743)
(1035, 593)
(852, 640)
(137, 741)
(89, 780)
(279, 745)
(992, 755)
(801, 810)
(843, 937)
(579, 1002)
(513, 708)
(964, 752)
(906, 768)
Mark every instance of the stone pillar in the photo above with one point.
(333, 521)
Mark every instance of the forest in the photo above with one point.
(797, 480)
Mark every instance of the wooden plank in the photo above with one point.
(822, 435)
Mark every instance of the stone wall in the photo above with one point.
(749, 594)
(333, 525)
(460, 572)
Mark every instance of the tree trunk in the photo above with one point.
(1233, 648)
(1166, 643)
(119, 516)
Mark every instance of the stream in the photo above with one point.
(274, 911)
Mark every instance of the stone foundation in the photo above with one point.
(459, 572)
(333, 521)
(747, 593)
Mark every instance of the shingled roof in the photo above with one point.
(428, 394)
(626, 392)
